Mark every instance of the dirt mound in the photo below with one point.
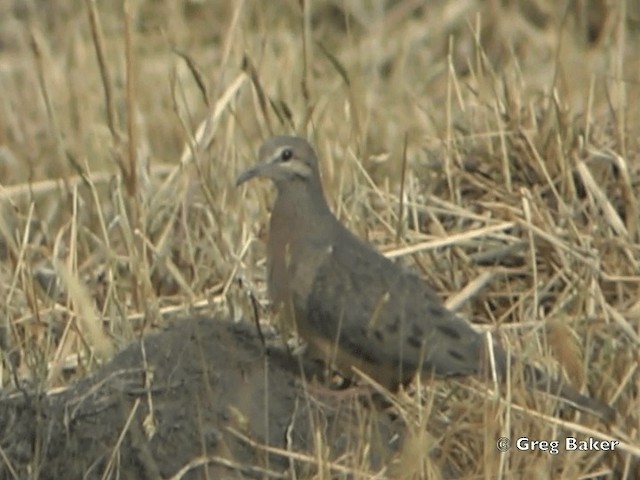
(200, 398)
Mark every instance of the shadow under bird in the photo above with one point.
(356, 308)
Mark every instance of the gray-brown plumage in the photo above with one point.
(353, 306)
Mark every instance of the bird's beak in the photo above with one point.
(255, 171)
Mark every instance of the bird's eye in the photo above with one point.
(286, 155)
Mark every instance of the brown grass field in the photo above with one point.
(493, 146)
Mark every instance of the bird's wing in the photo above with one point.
(383, 314)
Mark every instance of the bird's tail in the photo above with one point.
(540, 381)
(537, 379)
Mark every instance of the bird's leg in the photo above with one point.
(342, 389)
(325, 381)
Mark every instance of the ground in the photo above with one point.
(201, 399)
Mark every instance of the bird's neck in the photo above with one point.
(301, 210)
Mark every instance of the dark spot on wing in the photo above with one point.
(456, 355)
(393, 327)
(414, 342)
(436, 310)
(378, 335)
(449, 331)
(416, 331)
(359, 352)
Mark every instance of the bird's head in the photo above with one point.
(284, 159)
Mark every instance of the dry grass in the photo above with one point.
(518, 122)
